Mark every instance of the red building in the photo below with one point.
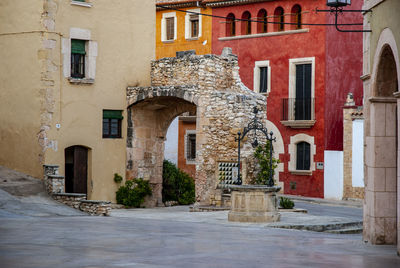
(306, 72)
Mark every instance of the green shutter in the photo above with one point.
(112, 114)
(78, 46)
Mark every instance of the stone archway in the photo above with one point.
(381, 171)
(211, 86)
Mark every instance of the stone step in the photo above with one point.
(207, 208)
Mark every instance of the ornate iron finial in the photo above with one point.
(255, 110)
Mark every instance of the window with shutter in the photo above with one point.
(303, 92)
(78, 52)
(194, 26)
(263, 79)
(170, 24)
(303, 156)
(112, 121)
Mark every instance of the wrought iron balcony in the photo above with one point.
(298, 113)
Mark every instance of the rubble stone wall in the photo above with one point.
(209, 84)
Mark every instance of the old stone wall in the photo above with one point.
(223, 105)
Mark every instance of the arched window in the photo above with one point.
(230, 25)
(262, 24)
(296, 17)
(279, 19)
(246, 23)
(303, 156)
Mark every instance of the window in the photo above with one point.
(230, 25)
(296, 17)
(298, 109)
(112, 121)
(303, 92)
(279, 19)
(82, 3)
(303, 156)
(78, 53)
(262, 24)
(262, 77)
(246, 23)
(190, 146)
(302, 150)
(168, 27)
(79, 56)
(193, 24)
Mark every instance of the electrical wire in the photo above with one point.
(258, 21)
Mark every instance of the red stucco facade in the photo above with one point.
(337, 57)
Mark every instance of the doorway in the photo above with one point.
(76, 169)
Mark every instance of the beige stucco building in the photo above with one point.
(63, 78)
(381, 110)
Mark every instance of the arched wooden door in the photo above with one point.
(76, 163)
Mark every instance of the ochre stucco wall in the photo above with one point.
(169, 49)
(125, 35)
(20, 96)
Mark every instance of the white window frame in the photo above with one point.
(187, 133)
(294, 140)
(90, 57)
(256, 75)
(164, 26)
(188, 26)
(87, 3)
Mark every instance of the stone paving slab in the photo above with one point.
(289, 220)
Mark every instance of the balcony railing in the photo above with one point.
(294, 109)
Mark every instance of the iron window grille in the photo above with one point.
(191, 147)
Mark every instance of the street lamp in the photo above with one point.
(337, 8)
(338, 3)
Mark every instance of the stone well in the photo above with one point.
(254, 203)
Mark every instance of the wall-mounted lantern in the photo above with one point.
(338, 3)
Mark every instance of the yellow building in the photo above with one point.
(177, 30)
(63, 78)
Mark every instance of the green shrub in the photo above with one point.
(177, 185)
(286, 203)
(117, 178)
(134, 191)
(262, 156)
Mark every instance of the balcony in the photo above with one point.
(298, 113)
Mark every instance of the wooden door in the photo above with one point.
(80, 169)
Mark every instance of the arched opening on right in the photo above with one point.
(296, 17)
(279, 19)
(230, 25)
(262, 24)
(386, 78)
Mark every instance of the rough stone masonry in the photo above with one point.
(209, 86)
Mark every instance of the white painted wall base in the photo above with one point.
(333, 175)
(358, 154)
(171, 143)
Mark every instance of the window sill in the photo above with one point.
(192, 39)
(168, 41)
(298, 123)
(301, 172)
(81, 81)
(190, 162)
(82, 4)
(263, 34)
